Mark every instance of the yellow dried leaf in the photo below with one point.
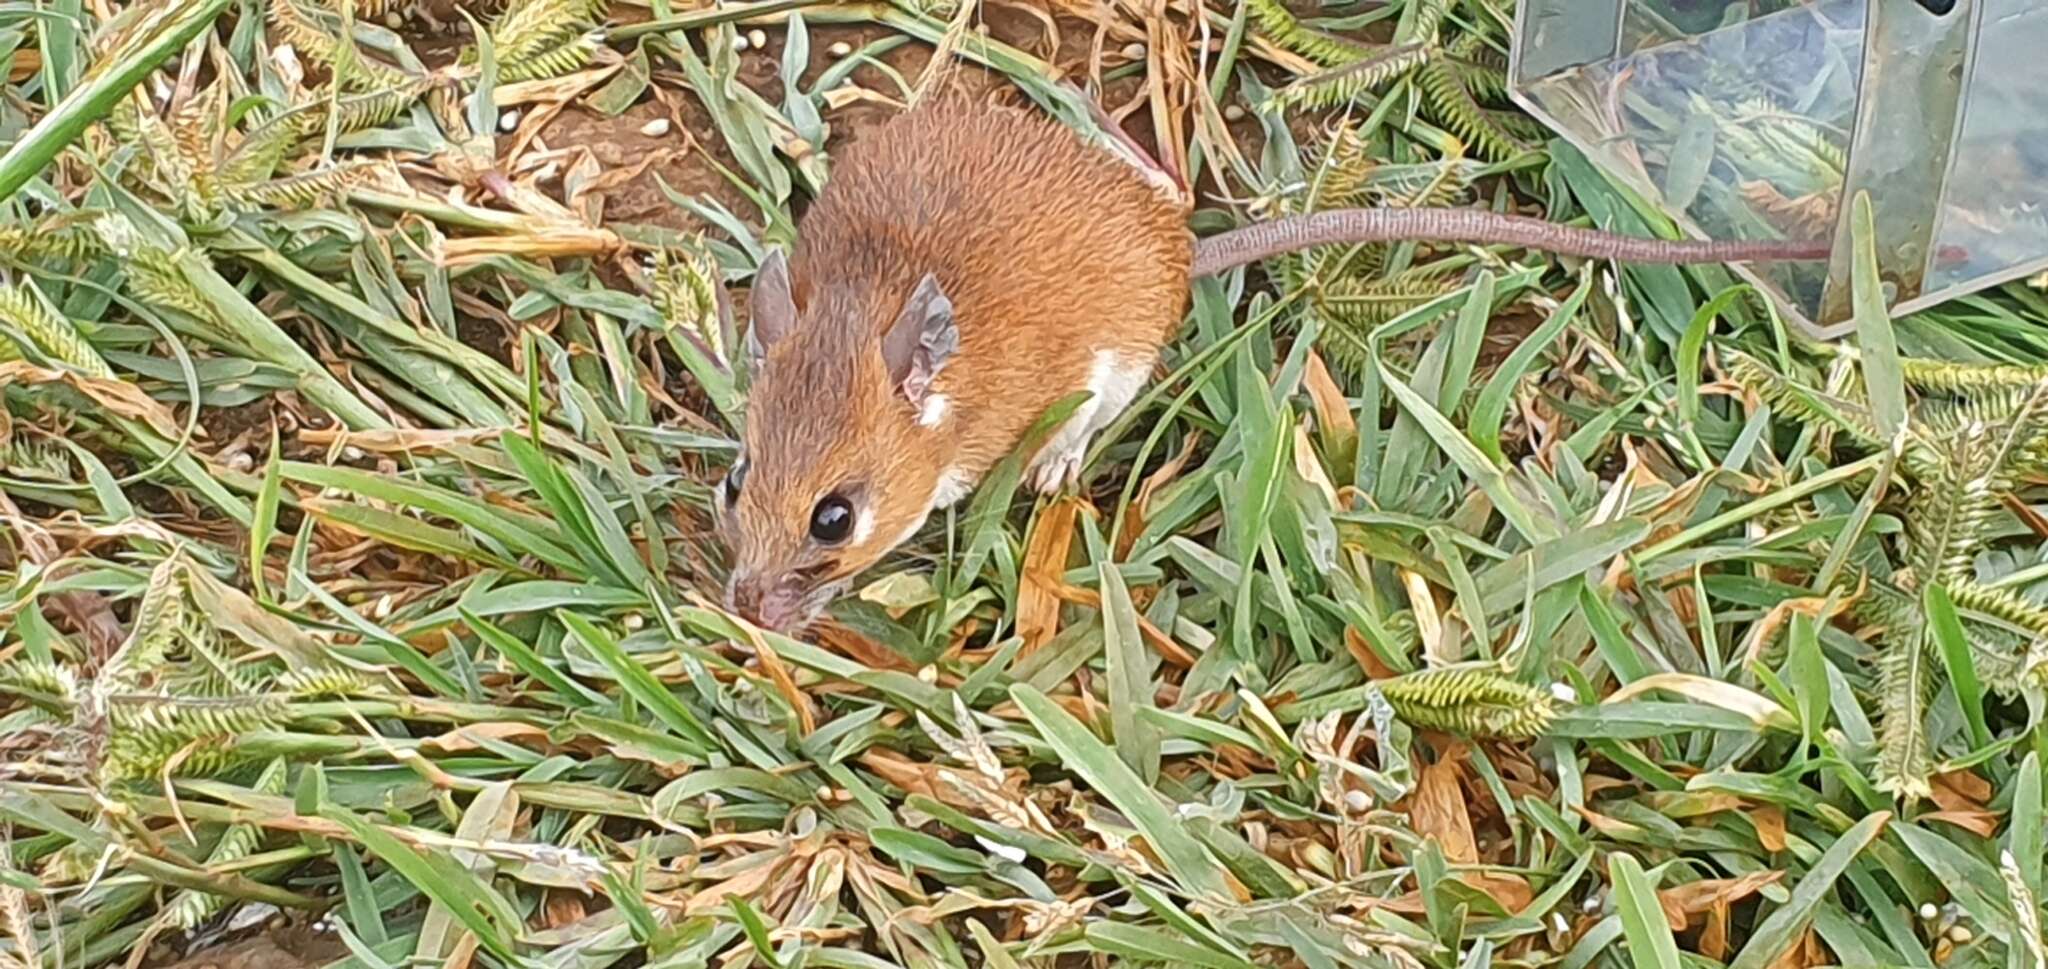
(1310, 469)
(398, 440)
(1437, 810)
(1045, 562)
(1761, 710)
(472, 736)
(1333, 412)
(1770, 826)
(1983, 824)
(746, 884)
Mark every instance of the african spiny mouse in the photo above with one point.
(965, 268)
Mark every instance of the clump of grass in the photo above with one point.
(1452, 65)
(544, 38)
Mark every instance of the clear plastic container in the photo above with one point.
(1757, 119)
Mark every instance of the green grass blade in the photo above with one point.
(1130, 664)
(1882, 372)
(1783, 926)
(105, 84)
(531, 663)
(639, 683)
(1151, 945)
(1947, 629)
(1491, 407)
(1100, 767)
(443, 879)
(1476, 466)
(1650, 945)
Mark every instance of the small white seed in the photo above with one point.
(635, 621)
(509, 121)
(655, 128)
(241, 461)
(1928, 912)
(928, 675)
(1959, 935)
(757, 39)
(1357, 802)
(394, 20)
(1134, 51)
(740, 42)
(288, 67)
(1233, 112)
(1010, 853)
(351, 453)
(251, 915)
(840, 49)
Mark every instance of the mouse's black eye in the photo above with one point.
(832, 520)
(734, 479)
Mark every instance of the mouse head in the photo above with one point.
(839, 462)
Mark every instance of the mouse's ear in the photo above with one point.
(921, 340)
(774, 306)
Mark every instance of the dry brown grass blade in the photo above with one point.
(1769, 821)
(1045, 561)
(1333, 412)
(552, 242)
(1437, 808)
(398, 440)
(117, 396)
(88, 611)
(1135, 513)
(1683, 903)
(862, 649)
(785, 684)
(1155, 637)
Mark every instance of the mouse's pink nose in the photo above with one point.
(772, 604)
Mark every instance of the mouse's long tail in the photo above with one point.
(1264, 240)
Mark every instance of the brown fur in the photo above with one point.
(1051, 251)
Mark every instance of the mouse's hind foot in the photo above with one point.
(1056, 469)
(1114, 383)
